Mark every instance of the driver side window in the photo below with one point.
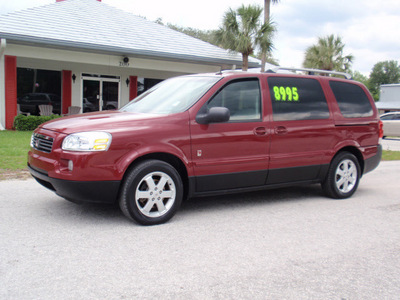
(242, 98)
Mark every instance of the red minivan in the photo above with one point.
(210, 134)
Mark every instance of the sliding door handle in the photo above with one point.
(281, 130)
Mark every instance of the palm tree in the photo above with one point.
(327, 54)
(242, 31)
(267, 6)
(267, 20)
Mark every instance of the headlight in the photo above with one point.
(87, 141)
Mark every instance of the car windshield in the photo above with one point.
(171, 96)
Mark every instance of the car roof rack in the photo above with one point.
(310, 71)
(229, 71)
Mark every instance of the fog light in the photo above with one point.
(70, 165)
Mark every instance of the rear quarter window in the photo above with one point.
(352, 100)
(297, 99)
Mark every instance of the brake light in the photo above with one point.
(380, 129)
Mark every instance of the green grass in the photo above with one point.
(14, 147)
(391, 155)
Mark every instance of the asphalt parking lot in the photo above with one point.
(289, 243)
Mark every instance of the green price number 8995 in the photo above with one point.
(282, 93)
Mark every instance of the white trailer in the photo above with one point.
(390, 98)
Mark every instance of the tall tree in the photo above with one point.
(267, 9)
(358, 76)
(328, 54)
(243, 30)
(267, 20)
(384, 72)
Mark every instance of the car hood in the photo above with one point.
(98, 121)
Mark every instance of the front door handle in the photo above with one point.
(260, 131)
(281, 130)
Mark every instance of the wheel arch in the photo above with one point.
(356, 152)
(171, 159)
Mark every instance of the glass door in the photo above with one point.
(91, 95)
(100, 93)
(110, 95)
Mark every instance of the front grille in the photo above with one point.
(41, 142)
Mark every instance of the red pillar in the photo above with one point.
(66, 90)
(10, 70)
(132, 87)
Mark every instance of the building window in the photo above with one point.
(144, 84)
(36, 87)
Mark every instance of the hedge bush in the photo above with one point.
(29, 123)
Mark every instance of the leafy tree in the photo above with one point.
(358, 76)
(384, 72)
(242, 31)
(265, 53)
(327, 54)
(268, 59)
(209, 36)
(204, 35)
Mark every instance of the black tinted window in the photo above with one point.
(297, 99)
(242, 98)
(352, 101)
(34, 87)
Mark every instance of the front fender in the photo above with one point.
(153, 150)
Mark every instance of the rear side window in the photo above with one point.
(297, 99)
(352, 101)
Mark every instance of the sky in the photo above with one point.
(370, 29)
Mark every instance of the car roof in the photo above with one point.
(390, 113)
(281, 71)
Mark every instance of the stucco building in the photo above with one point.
(91, 55)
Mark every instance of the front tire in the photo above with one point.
(343, 176)
(151, 193)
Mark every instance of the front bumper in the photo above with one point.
(78, 191)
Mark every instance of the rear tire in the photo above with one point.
(343, 176)
(151, 193)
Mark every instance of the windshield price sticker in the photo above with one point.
(282, 93)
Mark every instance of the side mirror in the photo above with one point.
(213, 115)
